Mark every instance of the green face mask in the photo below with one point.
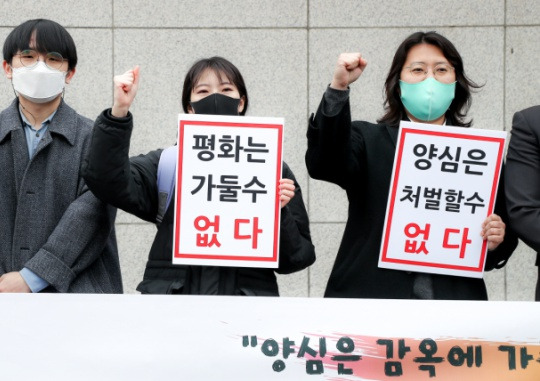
(427, 100)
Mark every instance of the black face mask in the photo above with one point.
(216, 104)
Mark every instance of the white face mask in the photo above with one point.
(38, 84)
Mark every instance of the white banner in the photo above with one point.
(227, 210)
(137, 337)
(444, 185)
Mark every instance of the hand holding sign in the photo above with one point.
(349, 67)
(493, 229)
(286, 191)
(125, 89)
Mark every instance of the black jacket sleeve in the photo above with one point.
(522, 176)
(128, 184)
(334, 147)
(497, 258)
(296, 252)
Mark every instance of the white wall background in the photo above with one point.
(286, 51)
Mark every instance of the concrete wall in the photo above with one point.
(286, 50)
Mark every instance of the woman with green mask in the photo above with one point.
(427, 84)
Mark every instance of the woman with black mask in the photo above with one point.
(211, 86)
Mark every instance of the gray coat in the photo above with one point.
(50, 222)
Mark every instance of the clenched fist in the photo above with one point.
(125, 89)
(349, 67)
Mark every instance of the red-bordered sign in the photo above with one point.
(228, 210)
(444, 185)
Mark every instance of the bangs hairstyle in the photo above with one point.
(221, 67)
(50, 37)
(394, 109)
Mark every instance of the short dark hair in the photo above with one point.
(220, 66)
(394, 109)
(50, 37)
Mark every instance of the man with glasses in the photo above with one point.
(55, 236)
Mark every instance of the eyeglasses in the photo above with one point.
(441, 72)
(30, 58)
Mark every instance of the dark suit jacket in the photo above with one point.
(359, 156)
(523, 179)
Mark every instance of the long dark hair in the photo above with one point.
(220, 66)
(394, 110)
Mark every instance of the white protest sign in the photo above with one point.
(227, 208)
(444, 185)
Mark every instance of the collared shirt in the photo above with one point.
(33, 137)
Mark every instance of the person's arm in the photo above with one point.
(333, 148)
(296, 252)
(128, 184)
(78, 239)
(522, 177)
(499, 255)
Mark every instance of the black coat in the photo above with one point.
(522, 179)
(131, 185)
(359, 156)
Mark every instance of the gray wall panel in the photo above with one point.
(391, 13)
(523, 12)
(522, 79)
(134, 241)
(326, 238)
(83, 13)
(210, 13)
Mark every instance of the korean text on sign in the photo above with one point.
(227, 203)
(444, 185)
